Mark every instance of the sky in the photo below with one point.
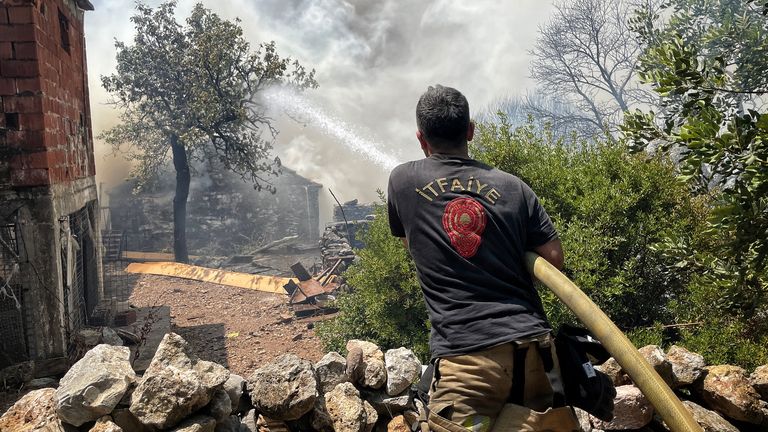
(373, 59)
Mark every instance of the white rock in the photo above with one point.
(285, 389)
(687, 367)
(331, 371)
(346, 409)
(175, 385)
(36, 411)
(93, 387)
(710, 421)
(727, 390)
(371, 416)
(234, 387)
(105, 424)
(655, 356)
(403, 368)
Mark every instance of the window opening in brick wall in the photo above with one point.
(64, 30)
(12, 121)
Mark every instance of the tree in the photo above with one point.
(707, 62)
(191, 92)
(585, 58)
(526, 110)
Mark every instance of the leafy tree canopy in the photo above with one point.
(707, 61)
(191, 92)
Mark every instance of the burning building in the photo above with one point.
(225, 215)
(50, 279)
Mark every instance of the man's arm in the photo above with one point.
(552, 251)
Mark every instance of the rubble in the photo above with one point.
(180, 392)
(311, 296)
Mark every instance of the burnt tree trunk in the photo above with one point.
(181, 165)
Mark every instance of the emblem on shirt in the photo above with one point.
(464, 222)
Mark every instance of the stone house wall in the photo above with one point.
(224, 214)
(49, 256)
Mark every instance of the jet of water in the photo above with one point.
(297, 106)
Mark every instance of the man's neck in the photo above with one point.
(461, 152)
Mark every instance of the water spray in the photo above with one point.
(298, 106)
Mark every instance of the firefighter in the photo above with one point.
(467, 226)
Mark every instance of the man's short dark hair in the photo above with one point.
(442, 116)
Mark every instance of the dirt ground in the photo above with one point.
(238, 328)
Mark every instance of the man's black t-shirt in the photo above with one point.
(468, 226)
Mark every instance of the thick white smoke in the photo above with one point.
(373, 60)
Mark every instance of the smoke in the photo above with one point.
(373, 60)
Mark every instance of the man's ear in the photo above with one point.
(471, 131)
(424, 144)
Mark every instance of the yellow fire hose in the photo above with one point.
(677, 417)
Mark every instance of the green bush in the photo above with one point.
(386, 305)
(616, 213)
(609, 207)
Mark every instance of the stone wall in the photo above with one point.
(369, 389)
(353, 211)
(225, 214)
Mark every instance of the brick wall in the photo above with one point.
(45, 134)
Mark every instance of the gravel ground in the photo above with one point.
(239, 328)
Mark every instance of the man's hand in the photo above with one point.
(552, 251)
(405, 242)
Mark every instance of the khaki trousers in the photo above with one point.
(471, 392)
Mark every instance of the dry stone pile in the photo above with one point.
(368, 390)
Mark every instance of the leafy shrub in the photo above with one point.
(386, 304)
(609, 207)
(614, 212)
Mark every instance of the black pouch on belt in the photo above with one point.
(584, 386)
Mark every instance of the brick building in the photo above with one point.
(50, 279)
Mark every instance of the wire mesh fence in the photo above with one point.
(13, 337)
(90, 285)
(118, 283)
